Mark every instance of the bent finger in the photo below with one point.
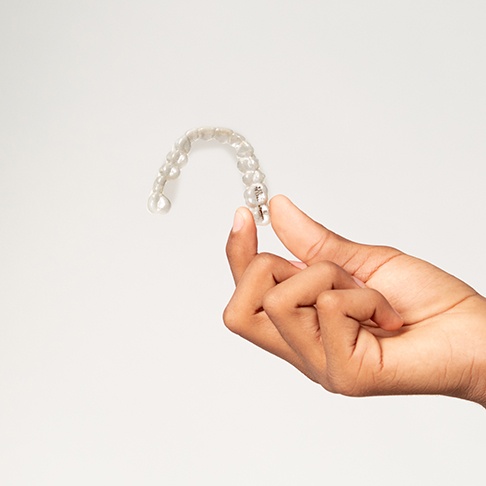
(355, 360)
(290, 306)
(244, 314)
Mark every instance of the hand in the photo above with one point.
(358, 319)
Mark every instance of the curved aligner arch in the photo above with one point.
(256, 192)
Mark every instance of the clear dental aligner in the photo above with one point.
(256, 192)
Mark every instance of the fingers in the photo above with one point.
(314, 316)
(263, 273)
(356, 364)
(244, 314)
(290, 306)
(341, 312)
(313, 319)
(305, 238)
(242, 245)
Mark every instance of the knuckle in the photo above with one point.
(264, 260)
(273, 301)
(330, 270)
(329, 302)
(328, 267)
(233, 320)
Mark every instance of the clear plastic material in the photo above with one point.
(255, 193)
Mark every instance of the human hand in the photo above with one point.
(358, 319)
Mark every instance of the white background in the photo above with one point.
(115, 366)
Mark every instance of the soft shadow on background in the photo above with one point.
(115, 366)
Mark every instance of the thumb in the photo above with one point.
(242, 245)
(305, 238)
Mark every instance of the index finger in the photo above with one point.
(242, 245)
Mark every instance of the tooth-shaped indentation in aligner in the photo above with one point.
(256, 192)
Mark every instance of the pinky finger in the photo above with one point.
(355, 361)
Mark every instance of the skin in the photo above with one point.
(358, 319)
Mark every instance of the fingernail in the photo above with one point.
(298, 264)
(358, 281)
(238, 222)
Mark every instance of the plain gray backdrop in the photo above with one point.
(115, 366)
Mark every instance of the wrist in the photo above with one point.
(478, 392)
(476, 330)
